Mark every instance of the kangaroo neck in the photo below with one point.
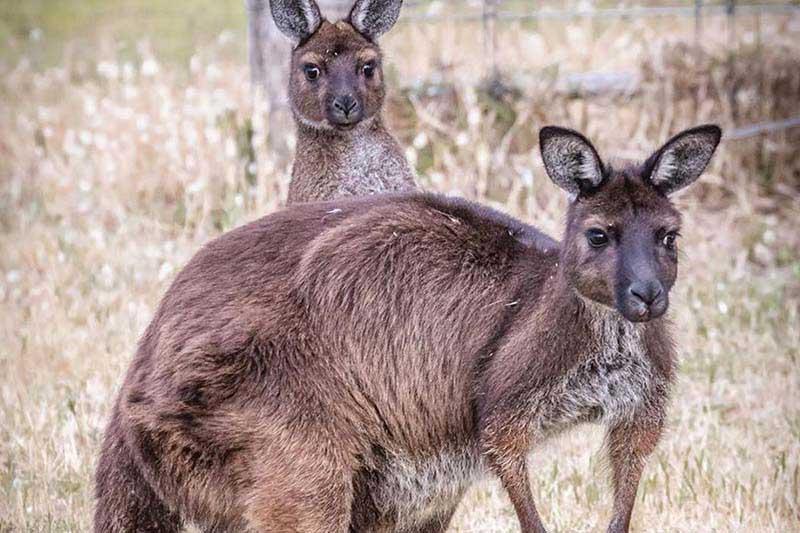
(328, 139)
(332, 163)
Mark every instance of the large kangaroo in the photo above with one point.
(356, 365)
(336, 91)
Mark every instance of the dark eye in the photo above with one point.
(368, 69)
(669, 240)
(597, 238)
(312, 72)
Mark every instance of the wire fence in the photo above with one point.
(698, 10)
(763, 128)
(491, 13)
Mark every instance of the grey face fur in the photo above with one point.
(622, 231)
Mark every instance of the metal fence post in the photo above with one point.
(490, 36)
(698, 26)
(698, 50)
(730, 12)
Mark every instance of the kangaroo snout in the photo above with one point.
(344, 110)
(644, 300)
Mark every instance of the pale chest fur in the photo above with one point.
(423, 489)
(613, 380)
(369, 165)
(364, 162)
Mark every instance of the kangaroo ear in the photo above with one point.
(570, 159)
(297, 19)
(683, 158)
(373, 18)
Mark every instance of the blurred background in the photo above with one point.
(133, 131)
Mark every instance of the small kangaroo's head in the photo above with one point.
(620, 245)
(336, 81)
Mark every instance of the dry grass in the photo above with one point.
(112, 176)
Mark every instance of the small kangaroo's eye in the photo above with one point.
(368, 70)
(669, 240)
(312, 72)
(597, 238)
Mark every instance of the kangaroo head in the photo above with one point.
(336, 80)
(620, 246)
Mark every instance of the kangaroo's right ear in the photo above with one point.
(373, 18)
(683, 158)
(570, 159)
(297, 19)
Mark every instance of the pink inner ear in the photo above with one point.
(665, 169)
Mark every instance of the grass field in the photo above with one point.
(125, 147)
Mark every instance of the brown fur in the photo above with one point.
(355, 365)
(338, 155)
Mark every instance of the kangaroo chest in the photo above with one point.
(371, 165)
(611, 381)
(364, 162)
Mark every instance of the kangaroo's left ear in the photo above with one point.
(373, 18)
(570, 160)
(297, 19)
(683, 158)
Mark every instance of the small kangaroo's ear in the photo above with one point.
(373, 18)
(683, 158)
(297, 19)
(570, 159)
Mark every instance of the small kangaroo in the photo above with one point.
(336, 91)
(356, 365)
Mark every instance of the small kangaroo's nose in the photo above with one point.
(646, 291)
(345, 104)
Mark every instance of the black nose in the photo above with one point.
(646, 291)
(345, 104)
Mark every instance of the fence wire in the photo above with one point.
(610, 13)
(762, 128)
(490, 12)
